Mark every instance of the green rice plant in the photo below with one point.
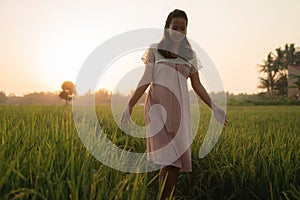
(42, 157)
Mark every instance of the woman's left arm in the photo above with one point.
(202, 93)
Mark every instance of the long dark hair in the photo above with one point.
(185, 49)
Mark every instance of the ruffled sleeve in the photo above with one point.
(149, 60)
(149, 57)
(195, 64)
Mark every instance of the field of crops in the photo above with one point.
(42, 157)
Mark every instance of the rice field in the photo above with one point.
(42, 157)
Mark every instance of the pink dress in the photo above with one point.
(167, 110)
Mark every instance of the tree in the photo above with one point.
(68, 92)
(268, 74)
(274, 73)
(103, 96)
(2, 97)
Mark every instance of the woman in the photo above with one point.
(168, 65)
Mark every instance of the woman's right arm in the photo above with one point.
(136, 96)
(142, 86)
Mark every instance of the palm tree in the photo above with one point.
(268, 71)
(274, 71)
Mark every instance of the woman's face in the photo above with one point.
(178, 29)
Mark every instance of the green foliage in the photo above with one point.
(68, 91)
(273, 73)
(42, 157)
(259, 99)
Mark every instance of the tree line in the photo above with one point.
(273, 80)
(102, 96)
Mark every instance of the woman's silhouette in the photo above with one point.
(168, 65)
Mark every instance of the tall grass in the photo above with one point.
(42, 157)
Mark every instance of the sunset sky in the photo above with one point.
(43, 43)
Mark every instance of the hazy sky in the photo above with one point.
(43, 43)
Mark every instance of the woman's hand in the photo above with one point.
(126, 117)
(220, 115)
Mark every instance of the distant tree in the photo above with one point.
(274, 73)
(102, 96)
(40, 98)
(2, 97)
(68, 91)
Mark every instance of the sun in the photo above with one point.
(60, 54)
